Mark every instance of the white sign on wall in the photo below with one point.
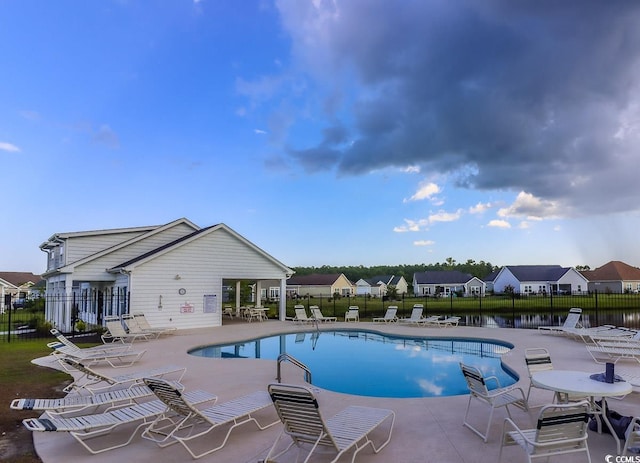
(210, 303)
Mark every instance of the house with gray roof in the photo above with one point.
(443, 283)
(540, 280)
(377, 286)
(614, 277)
(319, 284)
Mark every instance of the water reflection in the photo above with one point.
(372, 364)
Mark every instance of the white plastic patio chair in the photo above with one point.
(496, 398)
(352, 314)
(301, 315)
(86, 428)
(538, 359)
(389, 315)
(416, 317)
(351, 428)
(182, 422)
(632, 442)
(561, 429)
(316, 313)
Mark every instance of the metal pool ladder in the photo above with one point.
(286, 357)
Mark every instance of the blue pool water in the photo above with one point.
(373, 364)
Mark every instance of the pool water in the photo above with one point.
(372, 364)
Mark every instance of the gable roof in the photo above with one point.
(190, 237)
(316, 279)
(19, 278)
(432, 277)
(386, 279)
(613, 271)
(537, 272)
(154, 230)
(492, 276)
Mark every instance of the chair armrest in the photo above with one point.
(494, 378)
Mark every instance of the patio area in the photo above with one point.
(426, 429)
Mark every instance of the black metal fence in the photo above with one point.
(500, 311)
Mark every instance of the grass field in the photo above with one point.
(21, 378)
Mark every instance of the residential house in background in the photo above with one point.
(318, 284)
(377, 286)
(443, 283)
(18, 287)
(540, 280)
(490, 280)
(614, 277)
(173, 273)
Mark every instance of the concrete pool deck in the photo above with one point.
(426, 429)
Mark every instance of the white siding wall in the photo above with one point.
(504, 279)
(77, 248)
(95, 269)
(573, 278)
(201, 265)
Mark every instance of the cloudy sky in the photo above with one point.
(344, 132)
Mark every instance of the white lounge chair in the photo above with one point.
(75, 403)
(613, 354)
(107, 349)
(316, 313)
(561, 429)
(416, 317)
(445, 322)
(117, 358)
(93, 381)
(351, 428)
(389, 316)
(571, 322)
(116, 332)
(352, 314)
(499, 397)
(183, 422)
(86, 428)
(137, 324)
(301, 315)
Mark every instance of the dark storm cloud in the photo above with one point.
(537, 96)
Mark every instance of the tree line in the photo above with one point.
(477, 269)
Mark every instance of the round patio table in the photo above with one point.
(580, 383)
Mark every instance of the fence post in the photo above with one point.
(513, 310)
(597, 318)
(9, 325)
(451, 303)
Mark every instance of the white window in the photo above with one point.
(274, 292)
(528, 289)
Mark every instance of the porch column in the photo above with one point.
(258, 293)
(282, 312)
(238, 298)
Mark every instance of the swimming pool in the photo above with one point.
(372, 364)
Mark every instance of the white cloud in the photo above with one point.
(425, 191)
(424, 243)
(499, 224)
(412, 225)
(412, 169)
(479, 208)
(524, 225)
(442, 216)
(4, 146)
(527, 205)
(260, 132)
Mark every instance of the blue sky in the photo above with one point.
(359, 132)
